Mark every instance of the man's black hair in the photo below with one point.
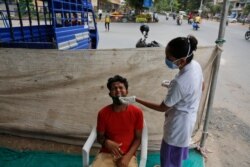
(117, 78)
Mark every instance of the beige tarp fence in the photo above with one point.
(56, 95)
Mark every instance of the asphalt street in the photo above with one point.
(233, 86)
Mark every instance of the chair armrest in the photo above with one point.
(144, 146)
(86, 148)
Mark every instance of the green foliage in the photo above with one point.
(193, 5)
(23, 6)
(136, 4)
(246, 9)
(142, 18)
(213, 9)
(165, 5)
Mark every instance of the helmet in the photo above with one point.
(144, 28)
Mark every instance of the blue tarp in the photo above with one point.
(13, 158)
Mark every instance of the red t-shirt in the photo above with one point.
(120, 126)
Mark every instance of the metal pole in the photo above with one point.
(200, 9)
(30, 19)
(10, 21)
(220, 41)
(20, 19)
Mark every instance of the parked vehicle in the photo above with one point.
(142, 41)
(231, 19)
(244, 19)
(247, 34)
(48, 24)
(217, 16)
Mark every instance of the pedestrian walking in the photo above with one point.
(100, 14)
(107, 22)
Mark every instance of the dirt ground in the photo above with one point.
(228, 139)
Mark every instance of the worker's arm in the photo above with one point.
(158, 107)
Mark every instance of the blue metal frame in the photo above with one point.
(61, 24)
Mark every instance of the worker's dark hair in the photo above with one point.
(179, 47)
(117, 78)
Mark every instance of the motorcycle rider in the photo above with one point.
(155, 17)
(174, 15)
(190, 18)
(197, 21)
(142, 41)
(179, 19)
(167, 15)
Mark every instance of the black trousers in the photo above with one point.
(106, 25)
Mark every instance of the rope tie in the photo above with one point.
(220, 41)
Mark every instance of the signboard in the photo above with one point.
(147, 3)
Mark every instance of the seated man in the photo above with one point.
(119, 128)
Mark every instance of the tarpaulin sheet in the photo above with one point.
(56, 95)
(13, 158)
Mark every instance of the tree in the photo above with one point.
(246, 9)
(213, 9)
(23, 6)
(167, 5)
(163, 5)
(193, 5)
(136, 4)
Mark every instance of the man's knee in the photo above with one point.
(104, 160)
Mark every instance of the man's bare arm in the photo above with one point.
(101, 138)
(124, 161)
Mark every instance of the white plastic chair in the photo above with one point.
(91, 139)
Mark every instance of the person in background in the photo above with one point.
(74, 20)
(174, 15)
(119, 128)
(167, 15)
(107, 21)
(155, 17)
(181, 102)
(100, 14)
(197, 19)
(190, 18)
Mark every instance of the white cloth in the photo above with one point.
(184, 97)
(100, 11)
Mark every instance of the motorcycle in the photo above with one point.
(142, 41)
(179, 20)
(247, 34)
(195, 25)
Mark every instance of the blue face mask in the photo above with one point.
(170, 64)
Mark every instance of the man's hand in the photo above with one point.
(114, 148)
(123, 161)
(165, 83)
(127, 100)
